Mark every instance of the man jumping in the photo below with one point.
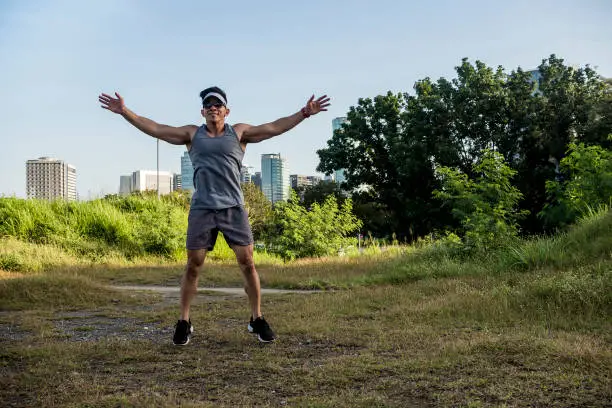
(216, 150)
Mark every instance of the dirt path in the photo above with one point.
(169, 290)
(93, 325)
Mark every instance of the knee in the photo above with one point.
(191, 272)
(193, 267)
(246, 263)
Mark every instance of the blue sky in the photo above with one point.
(56, 56)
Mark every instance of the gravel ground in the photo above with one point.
(89, 325)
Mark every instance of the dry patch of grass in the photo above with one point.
(444, 342)
(50, 291)
(10, 275)
(323, 273)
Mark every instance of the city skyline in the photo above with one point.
(126, 181)
(52, 75)
(135, 181)
(248, 173)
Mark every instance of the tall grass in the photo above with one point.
(37, 234)
(130, 226)
(589, 239)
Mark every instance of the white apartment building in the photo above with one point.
(246, 174)
(146, 180)
(49, 179)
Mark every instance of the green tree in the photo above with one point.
(259, 209)
(568, 106)
(368, 147)
(319, 192)
(585, 184)
(390, 143)
(486, 204)
(376, 218)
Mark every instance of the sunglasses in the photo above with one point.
(217, 105)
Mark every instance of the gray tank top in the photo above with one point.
(216, 169)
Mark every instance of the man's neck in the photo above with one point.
(215, 128)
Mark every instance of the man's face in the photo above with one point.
(214, 109)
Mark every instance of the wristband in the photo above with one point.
(305, 112)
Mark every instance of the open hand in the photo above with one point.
(315, 106)
(115, 105)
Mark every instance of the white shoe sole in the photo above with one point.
(250, 329)
(184, 344)
(265, 341)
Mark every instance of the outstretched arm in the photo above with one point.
(255, 134)
(174, 135)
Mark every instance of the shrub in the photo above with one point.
(486, 206)
(322, 230)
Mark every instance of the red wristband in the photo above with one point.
(305, 112)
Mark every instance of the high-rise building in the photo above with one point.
(339, 176)
(125, 185)
(186, 172)
(146, 180)
(297, 180)
(313, 180)
(246, 174)
(274, 177)
(257, 179)
(337, 124)
(177, 182)
(48, 178)
(535, 78)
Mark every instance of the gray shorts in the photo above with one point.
(204, 225)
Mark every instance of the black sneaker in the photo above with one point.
(262, 329)
(182, 332)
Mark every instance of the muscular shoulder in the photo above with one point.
(240, 129)
(191, 129)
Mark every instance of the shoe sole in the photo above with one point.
(181, 344)
(250, 329)
(265, 341)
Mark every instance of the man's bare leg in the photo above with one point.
(244, 256)
(257, 325)
(189, 282)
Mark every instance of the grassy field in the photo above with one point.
(525, 327)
